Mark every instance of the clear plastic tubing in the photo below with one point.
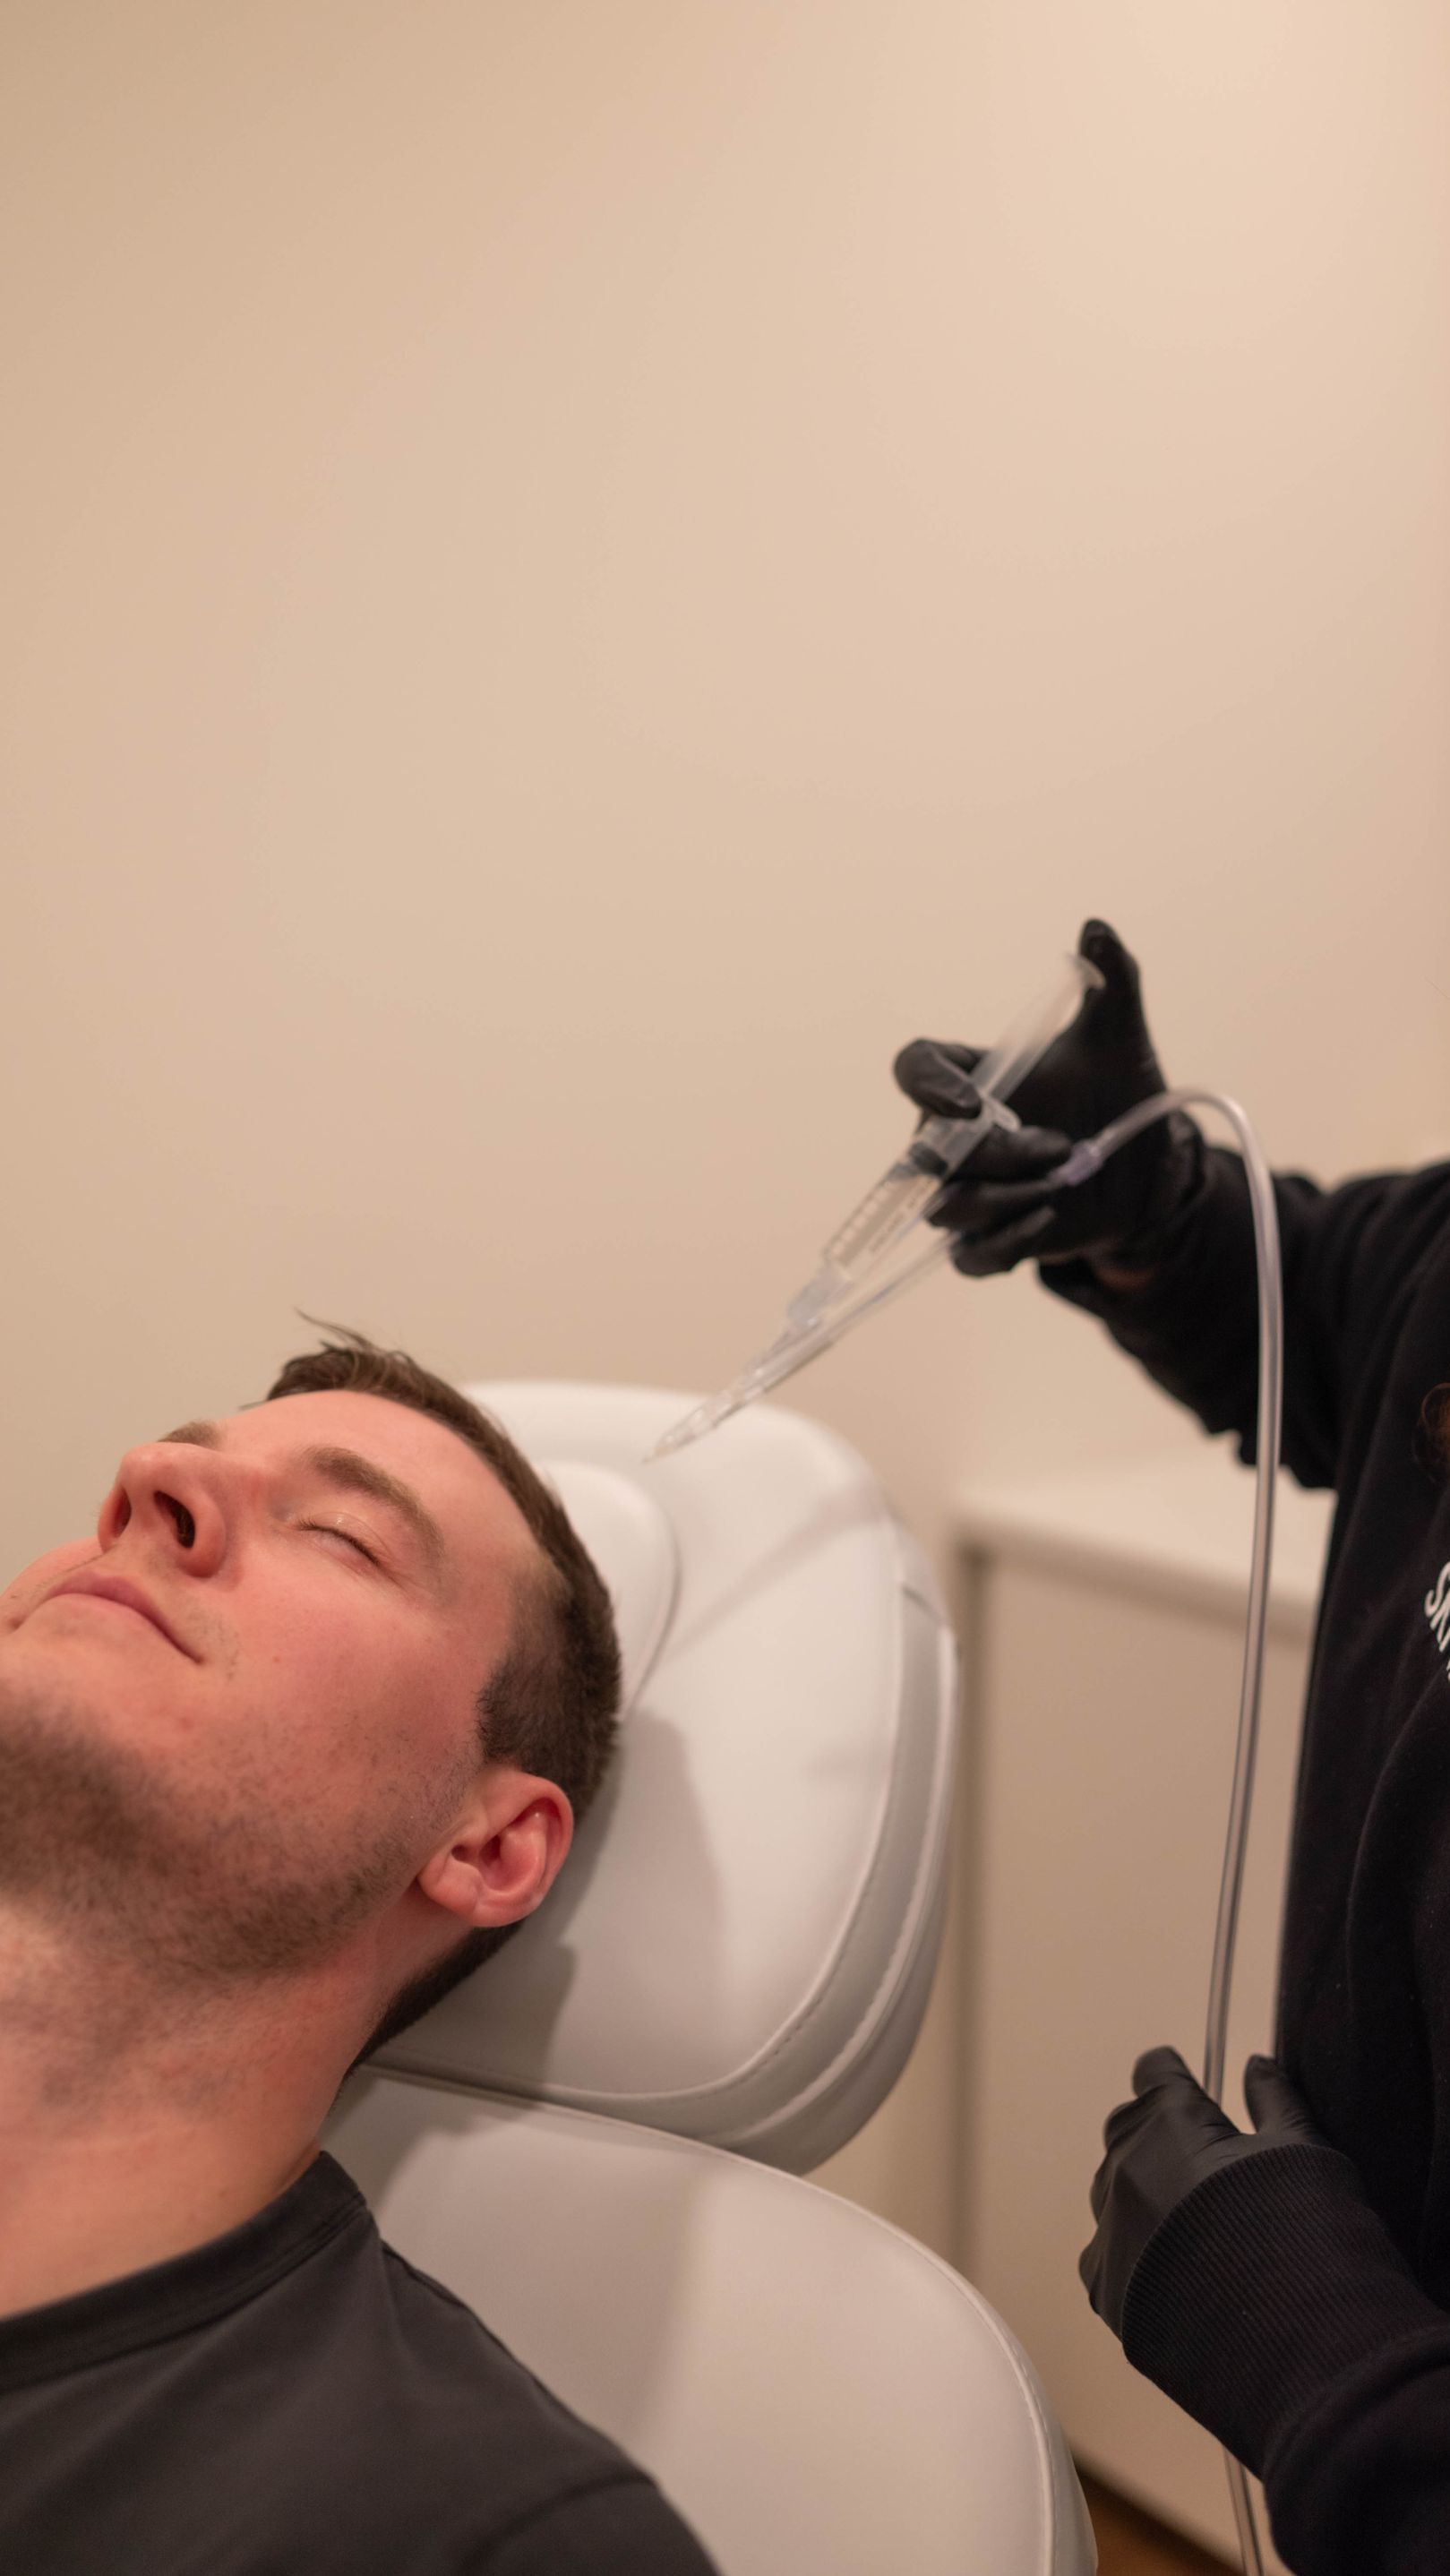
(1086, 1159)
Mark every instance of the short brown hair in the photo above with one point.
(552, 1706)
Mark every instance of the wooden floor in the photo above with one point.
(1130, 2543)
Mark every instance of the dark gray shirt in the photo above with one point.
(294, 2396)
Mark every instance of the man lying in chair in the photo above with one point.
(286, 1748)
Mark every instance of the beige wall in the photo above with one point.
(576, 573)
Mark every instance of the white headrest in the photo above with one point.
(740, 1946)
(633, 1546)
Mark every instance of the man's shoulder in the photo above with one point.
(341, 2412)
(539, 2487)
(622, 2527)
(443, 2342)
(396, 2353)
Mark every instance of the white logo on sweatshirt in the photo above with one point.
(1437, 1611)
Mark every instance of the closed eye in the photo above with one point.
(334, 1529)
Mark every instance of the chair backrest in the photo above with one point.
(818, 2395)
(741, 1946)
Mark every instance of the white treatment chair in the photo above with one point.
(585, 2140)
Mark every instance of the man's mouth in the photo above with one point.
(92, 1584)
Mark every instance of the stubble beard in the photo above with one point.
(100, 1847)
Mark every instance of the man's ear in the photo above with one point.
(504, 1853)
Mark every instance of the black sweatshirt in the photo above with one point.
(1301, 2314)
(293, 2399)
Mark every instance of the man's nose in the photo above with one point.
(173, 1496)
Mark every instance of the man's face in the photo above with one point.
(264, 1742)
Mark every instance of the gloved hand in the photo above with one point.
(1003, 1209)
(1161, 2146)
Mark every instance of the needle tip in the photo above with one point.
(678, 1437)
(692, 1427)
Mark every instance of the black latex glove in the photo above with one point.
(1004, 1208)
(1161, 2146)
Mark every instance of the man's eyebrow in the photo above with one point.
(350, 1473)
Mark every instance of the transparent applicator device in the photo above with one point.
(855, 1274)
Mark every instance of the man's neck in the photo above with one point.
(134, 2128)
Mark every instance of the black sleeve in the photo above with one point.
(1349, 1257)
(1273, 2306)
(622, 2527)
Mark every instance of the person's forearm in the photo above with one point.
(1191, 1318)
(1274, 2308)
(1363, 2486)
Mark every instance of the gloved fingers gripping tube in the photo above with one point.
(1089, 1158)
(907, 1189)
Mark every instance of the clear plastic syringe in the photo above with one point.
(845, 1286)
